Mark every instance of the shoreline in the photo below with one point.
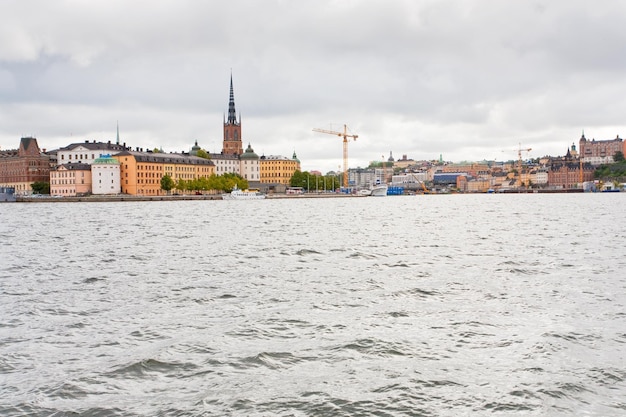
(218, 197)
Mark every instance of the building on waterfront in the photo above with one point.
(86, 152)
(249, 165)
(569, 172)
(70, 180)
(597, 152)
(106, 176)
(277, 169)
(20, 168)
(141, 172)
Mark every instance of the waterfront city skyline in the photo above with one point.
(468, 80)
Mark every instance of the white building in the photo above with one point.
(249, 166)
(86, 152)
(105, 176)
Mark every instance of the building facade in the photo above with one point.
(141, 172)
(276, 169)
(20, 168)
(249, 166)
(567, 174)
(598, 152)
(106, 176)
(70, 180)
(86, 152)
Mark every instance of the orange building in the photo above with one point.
(141, 172)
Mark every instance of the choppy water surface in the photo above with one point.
(399, 306)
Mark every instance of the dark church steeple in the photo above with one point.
(232, 117)
(233, 143)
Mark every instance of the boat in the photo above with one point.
(379, 190)
(238, 194)
(7, 194)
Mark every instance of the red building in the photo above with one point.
(20, 168)
(597, 152)
(566, 174)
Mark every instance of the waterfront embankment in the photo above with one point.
(113, 198)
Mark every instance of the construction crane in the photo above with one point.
(519, 156)
(519, 160)
(345, 136)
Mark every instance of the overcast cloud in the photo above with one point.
(467, 79)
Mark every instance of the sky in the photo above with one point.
(466, 80)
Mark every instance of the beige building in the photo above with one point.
(70, 180)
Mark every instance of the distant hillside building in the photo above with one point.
(598, 152)
(20, 168)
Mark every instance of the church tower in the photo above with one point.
(232, 144)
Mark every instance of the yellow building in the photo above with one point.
(141, 172)
(278, 169)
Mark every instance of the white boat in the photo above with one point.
(378, 190)
(237, 194)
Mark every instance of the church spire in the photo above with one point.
(232, 116)
(232, 128)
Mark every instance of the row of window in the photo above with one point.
(77, 157)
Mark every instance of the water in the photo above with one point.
(398, 306)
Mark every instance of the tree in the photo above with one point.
(40, 187)
(181, 185)
(167, 183)
(203, 154)
(618, 157)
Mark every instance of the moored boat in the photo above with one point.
(238, 194)
(7, 194)
(379, 190)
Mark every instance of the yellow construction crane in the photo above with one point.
(519, 156)
(345, 136)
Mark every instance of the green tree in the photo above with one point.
(167, 183)
(182, 185)
(618, 157)
(40, 187)
(297, 179)
(203, 154)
